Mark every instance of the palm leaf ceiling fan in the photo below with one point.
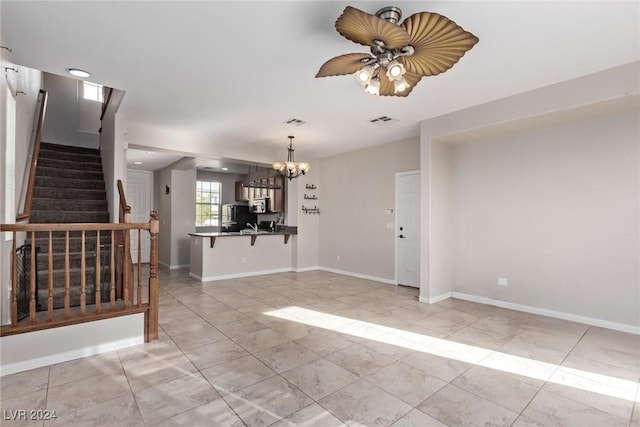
(425, 44)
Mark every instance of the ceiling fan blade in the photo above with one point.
(387, 88)
(363, 28)
(343, 64)
(438, 43)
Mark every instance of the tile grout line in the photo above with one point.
(553, 373)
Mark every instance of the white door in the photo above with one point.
(139, 192)
(408, 228)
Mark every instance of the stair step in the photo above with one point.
(69, 164)
(46, 217)
(75, 259)
(69, 193)
(75, 242)
(69, 149)
(61, 205)
(70, 156)
(69, 173)
(47, 182)
(74, 296)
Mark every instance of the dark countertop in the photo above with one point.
(281, 232)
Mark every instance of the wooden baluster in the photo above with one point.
(126, 279)
(14, 282)
(139, 269)
(112, 285)
(32, 284)
(152, 325)
(50, 279)
(67, 301)
(98, 271)
(83, 281)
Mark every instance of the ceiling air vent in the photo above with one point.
(295, 122)
(383, 120)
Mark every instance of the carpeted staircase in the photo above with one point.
(69, 188)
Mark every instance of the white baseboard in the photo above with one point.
(435, 299)
(360, 276)
(239, 275)
(305, 269)
(550, 313)
(173, 267)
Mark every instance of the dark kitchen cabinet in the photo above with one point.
(276, 195)
(264, 187)
(242, 192)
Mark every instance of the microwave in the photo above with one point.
(259, 205)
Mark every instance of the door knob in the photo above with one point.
(401, 236)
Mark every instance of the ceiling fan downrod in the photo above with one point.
(390, 14)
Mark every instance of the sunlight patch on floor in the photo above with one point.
(575, 378)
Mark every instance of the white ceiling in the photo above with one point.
(232, 72)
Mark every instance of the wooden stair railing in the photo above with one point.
(26, 211)
(88, 310)
(124, 263)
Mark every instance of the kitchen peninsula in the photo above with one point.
(222, 255)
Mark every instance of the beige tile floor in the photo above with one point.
(321, 349)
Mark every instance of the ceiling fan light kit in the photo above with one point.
(425, 44)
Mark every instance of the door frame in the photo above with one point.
(395, 227)
(150, 181)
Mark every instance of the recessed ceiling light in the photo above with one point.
(137, 163)
(78, 72)
(225, 169)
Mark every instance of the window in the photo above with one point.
(207, 203)
(92, 91)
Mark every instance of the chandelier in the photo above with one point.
(291, 169)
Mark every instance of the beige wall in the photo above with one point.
(177, 214)
(13, 170)
(70, 120)
(555, 210)
(183, 214)
(542, 188)
(161, 179)
(354, 190)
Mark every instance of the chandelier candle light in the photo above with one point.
(291, 169)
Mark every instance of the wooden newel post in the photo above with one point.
(154, 229)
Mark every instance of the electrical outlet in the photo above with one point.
(338, 258)
(502, 281)
(244, 260)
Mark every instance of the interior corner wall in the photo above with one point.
(308, 239)
(441, 262)
(162, 180)
(554, 210)
(183, 215)
(176, 201)
(355, 190)
(545, 192)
